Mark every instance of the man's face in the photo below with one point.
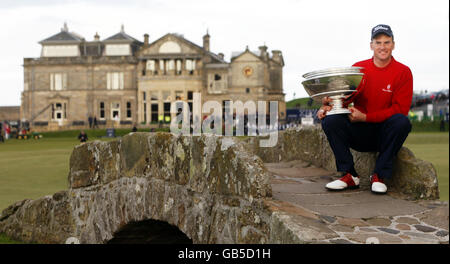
(382, 46)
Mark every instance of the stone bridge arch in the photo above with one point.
(209, 187)
(149, 232)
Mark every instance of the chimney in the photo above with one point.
(263, 52)
(146, 40)
(96, 37)
(206, 41)
(277, 56)
(221, 56)
(65, 28)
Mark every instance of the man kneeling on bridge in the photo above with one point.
(378, 121)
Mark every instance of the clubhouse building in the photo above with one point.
(121, 81)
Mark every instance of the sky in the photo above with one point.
(311, 34)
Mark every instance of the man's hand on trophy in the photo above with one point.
(326, 100)
(356, 115)
(323, 111)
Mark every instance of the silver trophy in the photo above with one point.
(336, 83)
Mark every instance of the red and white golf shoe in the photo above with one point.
(378, 185)
(348, 181)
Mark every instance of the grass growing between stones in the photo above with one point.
(433, 147)
(6, 240)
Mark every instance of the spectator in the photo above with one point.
(7, 130)
(95, 122)
(90, 121)
(2, 139)
(83, 136)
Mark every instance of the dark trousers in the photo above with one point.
(386, 138)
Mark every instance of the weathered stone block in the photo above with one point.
(161, 162)
(135, 154)
(414, 177)
(182, 151)
(82, 167)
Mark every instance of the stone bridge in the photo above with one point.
(229, 190)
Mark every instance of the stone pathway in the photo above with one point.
(353, 216)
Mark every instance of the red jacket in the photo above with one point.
(384, 92)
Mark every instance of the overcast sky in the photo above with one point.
(312, 35)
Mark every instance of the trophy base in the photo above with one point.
(338, 111)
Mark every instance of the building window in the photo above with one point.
(154, 113)
(190, 95)
(190, 66)
(115, 111)
(170, 65)
(144, 99)
(167, 112)
(217, 77)
(247, 90)
(145, 112)
(58, 111)
(102, 110)
(178, 67)
(114, 80)
(128, 110)
(117, 50)
(161, 66)
(151, 65)
(60, 51)
(58, 81)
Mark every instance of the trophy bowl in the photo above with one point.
(336, 83)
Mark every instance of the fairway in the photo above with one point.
(30, 169)
(33, 168)
(433, 147)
